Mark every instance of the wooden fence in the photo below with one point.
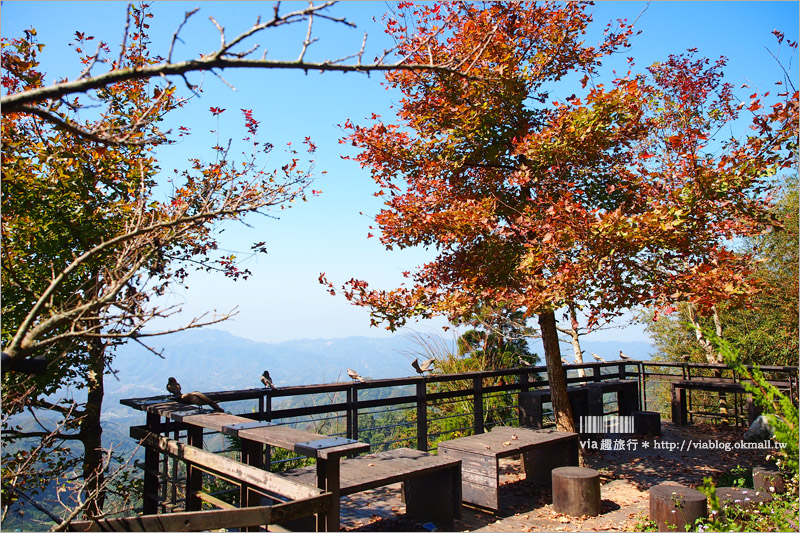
(350, 409)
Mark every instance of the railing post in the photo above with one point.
(642, 384)
(422, 416)
(194, 477)
(477, 387)
(596, 373)
(252, 454)
(150, 481)
(268, 408)
(352, 413)
(622, 368)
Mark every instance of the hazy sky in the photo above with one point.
(328, 234)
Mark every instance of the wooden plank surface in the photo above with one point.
(377, 470)
(504, 441)
(708, 385)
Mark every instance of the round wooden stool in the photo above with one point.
(768, 480)
(576, 491)
(672, 506)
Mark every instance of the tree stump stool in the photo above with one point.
(576, 491)
(768, 480)
(672, 506)
(737, 497)
(647, 423)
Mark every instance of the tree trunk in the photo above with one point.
(555, 373)
(91, 432)
(711, 355)
(576, 342)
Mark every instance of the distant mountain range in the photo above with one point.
(214, 360)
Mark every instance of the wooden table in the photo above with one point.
(431, 483)
(254, 435)
(679, 404)
(541, 450)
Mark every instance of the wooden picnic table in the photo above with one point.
(680, 406)
(541, 450)
(255, 434)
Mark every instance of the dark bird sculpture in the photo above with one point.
(267, 381)
(354, 375)
(174, 387)
(598, 358)
(522, 362)
(194, 397)
(623, 356)
(198, 398)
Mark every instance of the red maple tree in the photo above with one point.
(611, 198)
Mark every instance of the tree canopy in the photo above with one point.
(621, 196)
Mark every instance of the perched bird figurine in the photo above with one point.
(354, 375)
(522, 362)
(267, 381)
(623, 356)
(598, 358)
(198, 398)
(173, 386)
(685, 358)
(194, 397)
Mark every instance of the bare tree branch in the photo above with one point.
(223, 58)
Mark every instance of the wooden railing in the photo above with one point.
(425, 404)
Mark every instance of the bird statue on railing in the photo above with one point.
(174, 387)
(194, 397)
(267, 380)
(598, 358)
(623, 356)
(198, 398)
(523, 362)
(424, 367)
(354, 375)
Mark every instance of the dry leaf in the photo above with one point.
(514, 436)
(488, 447)
(371, 464)
(507, 443)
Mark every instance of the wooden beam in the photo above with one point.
(215, 519)
(256, 477)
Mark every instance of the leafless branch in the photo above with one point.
(222, 58)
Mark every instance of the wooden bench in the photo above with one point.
(431, 484)
(680, 409)
(541, 451)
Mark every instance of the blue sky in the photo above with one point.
(328, 234)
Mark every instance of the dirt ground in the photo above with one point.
(626, 476)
